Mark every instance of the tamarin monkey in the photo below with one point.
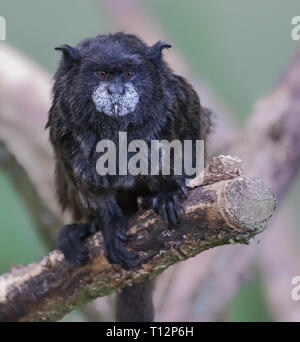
(105, 85)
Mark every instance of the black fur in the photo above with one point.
(168, 108)
(133, 299)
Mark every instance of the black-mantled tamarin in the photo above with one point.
(105, 85)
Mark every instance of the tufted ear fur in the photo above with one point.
(154, 52)
(71, 54)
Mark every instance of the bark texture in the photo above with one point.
(227, 208)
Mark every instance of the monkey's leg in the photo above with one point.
(114, 226)
(114, 234)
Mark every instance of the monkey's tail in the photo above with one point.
(134, 303)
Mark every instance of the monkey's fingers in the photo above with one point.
(162, 211)
(128, 258)
(184, 191)
(116, 253)
(122, 235)
(171, 214)
(179, 210)
(71, 242)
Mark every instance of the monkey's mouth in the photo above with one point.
(115, 105)
(116, 108)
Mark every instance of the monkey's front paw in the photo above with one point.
(168, 205)
(71, 242)
(114, 248)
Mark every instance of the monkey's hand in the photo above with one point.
(168, 204)
(114, 234)
(72, 243)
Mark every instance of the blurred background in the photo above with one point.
(237, 49)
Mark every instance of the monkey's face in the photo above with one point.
(116, 93)
(121, 82)
(116, 82)
(117, 75)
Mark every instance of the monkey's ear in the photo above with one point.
(71, 54)
(154, 52)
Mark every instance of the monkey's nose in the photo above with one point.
(116, 89)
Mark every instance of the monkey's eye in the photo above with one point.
(102, 75)
(129, 74)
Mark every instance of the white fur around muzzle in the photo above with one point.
(116, 104)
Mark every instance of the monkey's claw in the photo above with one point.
(168, 205)
(114, 248)
(71, 242)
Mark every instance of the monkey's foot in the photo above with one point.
(114, 245)
(168, 205)
(71, 242)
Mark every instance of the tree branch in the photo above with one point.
(228, 208)
(25, 89)
(46, 222)
(269, 145)
(24, 105)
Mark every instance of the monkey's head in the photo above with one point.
(116, 75)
